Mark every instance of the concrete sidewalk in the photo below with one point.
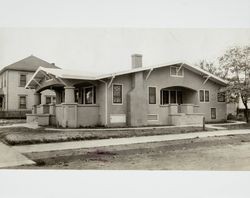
(10, 157)
(123, 141)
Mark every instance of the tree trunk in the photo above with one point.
(246, 112)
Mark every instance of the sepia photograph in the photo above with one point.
(124, 99)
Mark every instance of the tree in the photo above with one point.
(236, 63)
(211, 68)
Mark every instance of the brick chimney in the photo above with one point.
(137, 103)
(136, 60)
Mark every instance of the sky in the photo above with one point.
(104, 50)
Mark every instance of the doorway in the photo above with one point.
(1, 103)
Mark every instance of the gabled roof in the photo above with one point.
(185, 64)
(81, 75)
(31, 63)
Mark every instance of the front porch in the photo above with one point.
(180, 105)
(74, 106)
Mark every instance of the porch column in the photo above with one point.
(37, 101)
(37, 98)
(70, 118)
(69, 95)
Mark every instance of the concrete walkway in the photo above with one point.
(10, 157)
(123, 141)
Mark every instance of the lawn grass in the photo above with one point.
(22, 136)
(236, 126)
(4, 122)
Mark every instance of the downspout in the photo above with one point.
(106, 101)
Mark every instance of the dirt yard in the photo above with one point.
(217, 153)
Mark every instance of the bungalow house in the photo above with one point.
(15, 100)
(169, 94)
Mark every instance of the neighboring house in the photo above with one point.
(240, 108)
(15, 100)
(169, 94)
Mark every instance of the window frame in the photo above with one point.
(113, 84)
(149, 94)
(204, 92)
(161, 95)
(176, 68)
(83, 95)
(207, 91)
(48, 96)
(213, 118)
(19, 105)
(22, 74)
(224, 97)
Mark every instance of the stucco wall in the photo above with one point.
(114, 109)
(160, 78)
(88, 115)
(59, 114)
(101, 102)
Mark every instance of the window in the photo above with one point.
(48, 99)
(76, 95)
(22, 80)
(164, 97)
(53, 99)
(221, 97)
(152, 95)
(117, 94)
(22, 102)
(88, 95)
(204, 95)
(176, 71)
(213, 113)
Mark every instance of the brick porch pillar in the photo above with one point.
(69, 95)
(37, 98)
(69, 108)
(37, 101)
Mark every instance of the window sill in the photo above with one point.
(117, 104)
